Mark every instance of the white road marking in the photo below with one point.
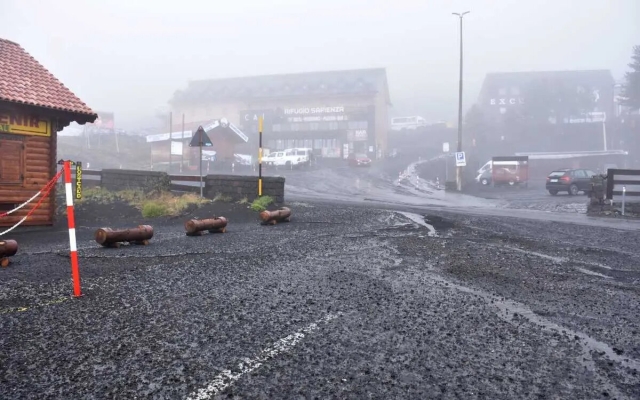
(226, 378)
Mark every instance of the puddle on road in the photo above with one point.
(419, 219)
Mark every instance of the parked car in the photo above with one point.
(305, 157)
(402, 123)
(272, 159)
(503, 176)
(359, 160)
(572, 181)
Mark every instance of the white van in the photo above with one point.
(401, 123)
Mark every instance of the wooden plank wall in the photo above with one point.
(37, 172)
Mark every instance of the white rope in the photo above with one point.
(21, 205)
(14, 227)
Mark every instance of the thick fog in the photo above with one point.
(128, 57)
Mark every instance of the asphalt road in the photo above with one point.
(353, 298)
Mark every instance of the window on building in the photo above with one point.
(358, 124)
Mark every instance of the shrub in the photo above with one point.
(261, 203)
(151, 204)
(222, 198)
(153, 209)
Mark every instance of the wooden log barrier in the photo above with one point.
(277, 216)
(108, 237)
(195, 227)
(8, 248)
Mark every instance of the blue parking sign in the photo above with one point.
(461, 160)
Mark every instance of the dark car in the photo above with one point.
(359, 160)
(571, 181)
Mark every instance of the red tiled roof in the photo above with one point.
(24, 80)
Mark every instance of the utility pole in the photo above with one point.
(459, 169)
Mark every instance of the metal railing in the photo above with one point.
(177, 181)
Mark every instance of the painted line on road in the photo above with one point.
(226, 378)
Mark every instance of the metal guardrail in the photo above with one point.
(178, 182)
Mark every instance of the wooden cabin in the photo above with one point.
(34, 106)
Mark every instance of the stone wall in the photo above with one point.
(631, 209)
(124, 179)
(238, 187)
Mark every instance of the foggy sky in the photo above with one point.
(129, 56)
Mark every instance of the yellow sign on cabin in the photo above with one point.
(22, 124)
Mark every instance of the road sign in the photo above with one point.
(445, 147)
(461, 160)
(200, 138)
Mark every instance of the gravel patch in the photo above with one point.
(342, 302)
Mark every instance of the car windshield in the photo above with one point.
(557, 173)
(361, 156)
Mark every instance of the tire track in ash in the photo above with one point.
(514, 312)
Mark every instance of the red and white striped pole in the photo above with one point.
(75, 270)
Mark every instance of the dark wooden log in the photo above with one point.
(8, 248)
(108, 237)
(274, 217)
(195, 227)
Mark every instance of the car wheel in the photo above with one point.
(484, 181)
(553, 192)
(573, 190)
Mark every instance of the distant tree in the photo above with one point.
(631, 92)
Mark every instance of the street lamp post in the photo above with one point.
(459, 169)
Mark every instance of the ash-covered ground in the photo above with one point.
(345, 301)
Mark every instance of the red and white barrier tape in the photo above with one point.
(46, 191)
(4, 214)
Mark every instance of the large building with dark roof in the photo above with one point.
(549, 110)
(34, 106)
(335, 113)
(585, 92)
